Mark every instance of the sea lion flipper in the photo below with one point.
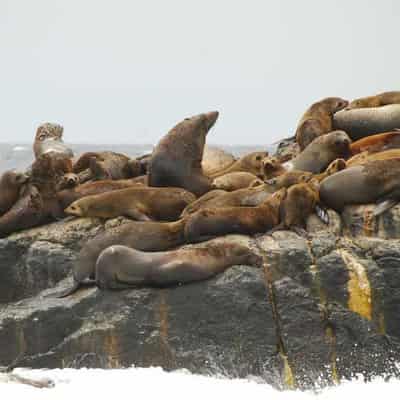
(322, 213)
(135, 214)
(384, 206)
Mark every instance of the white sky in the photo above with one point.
(125, 71)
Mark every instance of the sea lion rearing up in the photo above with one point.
(176, 160)
(139, 203)
(321, 152)
(48, 139)
(376, 181)
(317, 120)
(120, 267)
(144, 236)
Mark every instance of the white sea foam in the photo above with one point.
(154, 383)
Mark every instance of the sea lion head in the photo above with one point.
(272, 167)
(338, 140)
(49, 131)
(76, 208)
(205, 120)
(14, 179)
(336, 104)
(335, 166)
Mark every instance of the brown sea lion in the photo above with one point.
(37, 203)
(48, 139)
(250, 197)
(201, 201)
(138, 203)
(321, 152)
(106, 165)
(68, 196)
(68, 181)
(176, 160)
(289, 178)
(11, 183)
(376, 181)
(210, 222)
(144, 236)
(215, 160)
(272, 167)
(382, 99)
(252, 162)
(121, 267)
(366, 157)
(358, 123)
(317, 120)
(376, 143)
(234, 181)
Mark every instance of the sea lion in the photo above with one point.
(106, 165)
(68, 196)
(358, 123)
(366, 157)
(215, 160)
(252, 162)
(121, 267)
(235, 180)
(144, 236)
(251, 197)
(68, 181)
(317, 120)
(272, 167)
(11, 183)
(201, 201)
(382, 99)
(321, 152)
(138, 203)
(210, 222)
(48, 139)
(376, 143)
(176, 160)
(376, 181)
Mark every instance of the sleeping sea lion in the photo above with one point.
(234, 181)
(139, 203)
(252, 162)
(382, 99)
(210, 222)
(321, 152)
(366, 157)
(176, 160)
(317, 120)
(251, 197)
(106, 165)
(144, 236)
(376, 143)
(359, 123)
(375, 181)
(121, 267)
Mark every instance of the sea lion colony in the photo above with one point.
(204, 199)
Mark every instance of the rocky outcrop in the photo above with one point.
(321, 309)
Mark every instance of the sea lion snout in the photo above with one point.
(73, 209)
(211, 118)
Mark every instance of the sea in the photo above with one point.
(155, 383)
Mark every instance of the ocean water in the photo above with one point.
(154, 383)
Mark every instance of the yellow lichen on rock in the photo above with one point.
(358, 286)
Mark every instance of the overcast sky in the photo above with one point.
(125, 71)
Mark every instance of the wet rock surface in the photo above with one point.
(321, 309)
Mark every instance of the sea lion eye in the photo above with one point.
(42, 137)
(258, 158)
